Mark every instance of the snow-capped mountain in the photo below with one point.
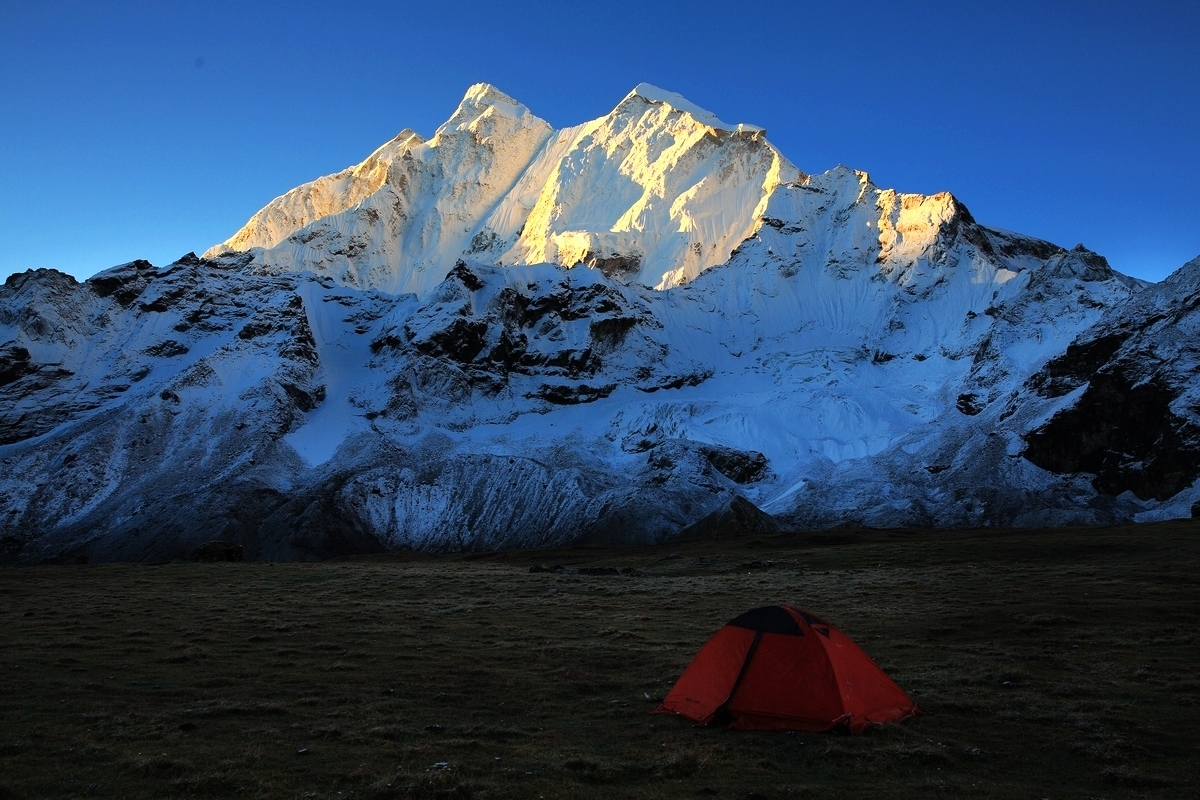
(510, 336)
(655, 192)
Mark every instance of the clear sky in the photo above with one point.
(148, 129)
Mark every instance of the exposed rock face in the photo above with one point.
(739, 467)
(1126, 435)
(855, 356)
(1135, 425)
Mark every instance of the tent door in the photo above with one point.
(722, 711)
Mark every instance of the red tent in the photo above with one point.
(780, 668)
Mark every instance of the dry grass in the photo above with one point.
(1057, 664)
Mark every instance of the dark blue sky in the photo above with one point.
(145, 130)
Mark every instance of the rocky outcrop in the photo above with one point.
(739, 518)
(1125, 434)
(1134, 423)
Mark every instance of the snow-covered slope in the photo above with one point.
(825, 349)
(392, 221)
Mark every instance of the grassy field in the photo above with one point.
(1059, 664)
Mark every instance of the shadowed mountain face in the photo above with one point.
(1134, 422)
(816, 347)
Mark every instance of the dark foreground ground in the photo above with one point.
(1058, 664)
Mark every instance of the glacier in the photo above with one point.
(511, 336)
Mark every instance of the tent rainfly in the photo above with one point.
(781, 668)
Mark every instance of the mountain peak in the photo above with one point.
(485, 94)
(406, 135)
(479, 100)
(652, 94)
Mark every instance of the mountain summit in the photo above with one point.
(655, 192)
(511, 336)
